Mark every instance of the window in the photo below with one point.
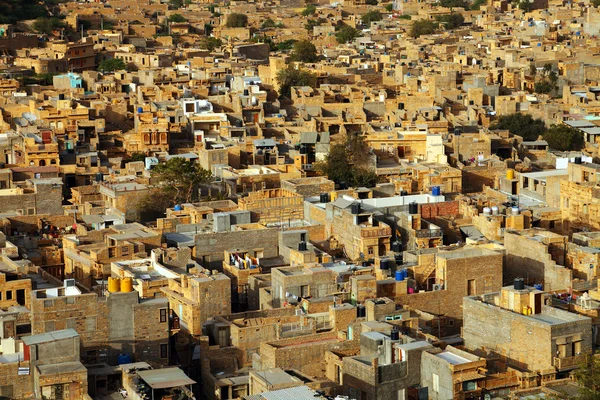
(9, 295)
(90, 324)
(304, 291)
(164, 350)
(469, 386)
(370, 251)
(71, 323)
(70, 300)
(436, 383)
(163, 315)
(471, 287)
(49, 326)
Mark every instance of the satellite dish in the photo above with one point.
(30, 117)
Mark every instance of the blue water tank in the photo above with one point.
(436, 191)
(177, 207)
(140, 110)
(124, 358)
(539, 45)
(404, 274)
(538, 286)
(399, 275)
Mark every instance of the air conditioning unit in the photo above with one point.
(438, 287)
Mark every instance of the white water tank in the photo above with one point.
(495, 210)
(254, 101)
(487, 211)
(514, 211)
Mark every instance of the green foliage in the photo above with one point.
(476, 5)
(290, 77)
(137, 156)
(210, 43)
(564, 138)
(405, 16)
(452, 21)
(371, 2)
(371, 16)
(346, 34)
(309, 10)
(389, 7)
(454, 4)
(304, 51)
(112, 64)
(13, 11)
(176, 18)
(236, 20)
(523, 125)
(208, 28)
(48, 25)
(311, 23)
(175, 4)
(544, 86)
(348, 161)
(596, 3)
(268, 23)
(422, 27)
(180, 178)
(285, 45)
(588, 377)
(45, 79)
(524, 5)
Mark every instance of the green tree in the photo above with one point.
(304, 51)
(180, 178)
(544, 86)
(290, 77)
(236, 20)
(452, 21)
(405, 16)
(285, 45)
(588, 377)
(422, 27)
(371, 16)
(112, 64)
(523, 125)
(454, 4)
(348, 161)
(389, 7)
(175, 4)
(176, 18)
(564, 138)
(346, 34)
(309, 10)
(210, 43)
(268, 23)
(48, 25)
(596, 3)
(311, 23)
(371, 2)
(137, 156)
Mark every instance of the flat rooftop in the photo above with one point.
(452, 358)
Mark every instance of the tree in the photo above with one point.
(476, 5)
(175, 4)
(596, 3)
(371, 16)
(112, 64)
(309, 10)
(137, 156)
(452, 21)
(346, 34)
(210, 43)
(371, 2)
(304, 51)
(290, 77)
(268, 23)
(348, 161)
(523, 125)
(454, 4)
(389, 7)
(544, 86)
(48, 25)
(176, 18)
(564, 138)
(285, 45)
(588, 377)
(236, 20)
(180, 178)
(422, 27)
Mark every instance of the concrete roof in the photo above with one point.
(295, 393)
(50, 336)
(62, 368)
(165, 378)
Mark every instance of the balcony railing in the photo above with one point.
(565, 363)
(375, 232)
(428, 233)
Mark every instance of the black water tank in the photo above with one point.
(355, 208)
(399, 258)
(324, 198)
(519, 284)
(403, 193)
(303, 149)
(61, 96)
(365, 263)
(99, 176)
(302, 246)
(577, 160)
(246, 92)
(384, 264)
(361, 311)
(395, 333)
(413, 208)
(396, 247)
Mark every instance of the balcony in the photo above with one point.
(566, 363)
(428, 233)
(498, 381)
(376, 232)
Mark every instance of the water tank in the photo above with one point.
(324, 198)
(361, 311)
(396, 247)
(436, 191)
(403, 193)
(99, 176)
(514, 210)
(114, 284)
(355, 208)
(126, 285)
(177, 207)
(495, 210)
(510, 174)
(413, 208)
(384, 264)
(303, 149)
(395, 334)
(140, 110)
(538, 286)
(61, 96)
(302, 246)
(519, 284)
(246, 92)
(399, 276)
(577, 160)
(487, 211)
(381, 97)
(254, 101)
(124, 358)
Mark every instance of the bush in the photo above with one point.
(48, 25)
(389, 7)
(371, 16)
(176, 18)
(523, 125)
(309, 10)
(422, 27)
(452, 21)
(454, 4)
(236, 20)
(112, 64)
(371, 2)
(564, 138)
(346, 34)
(268, 23)
(304, 51)
(211, 43)
(544, 87)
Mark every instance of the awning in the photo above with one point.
(165, 378)
(467, 376)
